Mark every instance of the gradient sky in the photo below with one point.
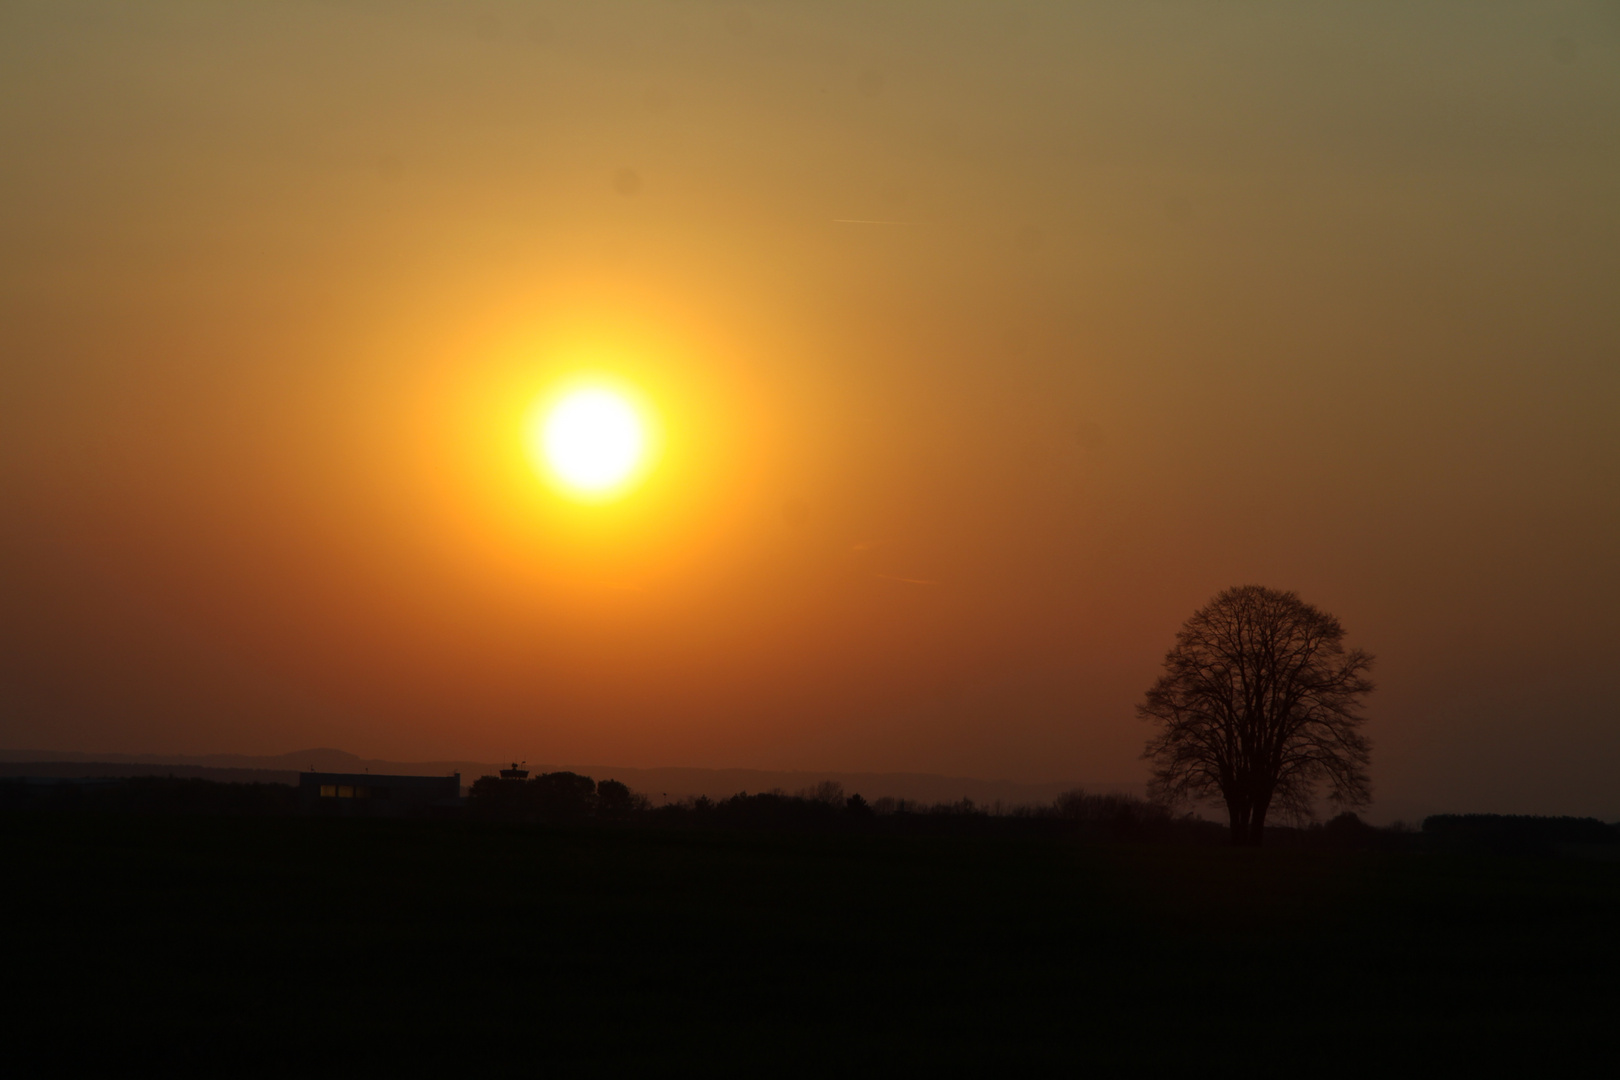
(990, 340)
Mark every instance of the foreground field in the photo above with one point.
(260, 945)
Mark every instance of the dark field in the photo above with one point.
(269, 944)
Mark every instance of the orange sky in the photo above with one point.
(989, 341)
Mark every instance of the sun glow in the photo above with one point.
(591, 440)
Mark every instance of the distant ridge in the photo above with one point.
(659, 784)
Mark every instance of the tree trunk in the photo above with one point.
(1237, 811)
(1248, 819)
(1257, 820)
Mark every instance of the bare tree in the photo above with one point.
(1259, 706)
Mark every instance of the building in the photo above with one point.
(374, 795)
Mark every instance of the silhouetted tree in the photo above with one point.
(499, 796)
(1114, 812)
(563, 796)
(830, 792)
(614, 800)
(557, 797)
(1259, 706)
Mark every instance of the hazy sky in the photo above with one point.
(989, 341)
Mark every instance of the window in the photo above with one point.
(328, 791)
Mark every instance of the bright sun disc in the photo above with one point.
(592, 440)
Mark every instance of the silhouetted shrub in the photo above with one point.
(1121, 813)
(1345, 831)
(825, 809)
(775, 811)
(499, 797)
(1514, 834)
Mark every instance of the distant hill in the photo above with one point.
(659, 784)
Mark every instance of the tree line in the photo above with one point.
(569, 799)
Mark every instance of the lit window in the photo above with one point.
(345, 791)
(328, 791)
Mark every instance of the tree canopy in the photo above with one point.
(1259, 707)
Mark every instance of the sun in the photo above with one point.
(591, 440)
